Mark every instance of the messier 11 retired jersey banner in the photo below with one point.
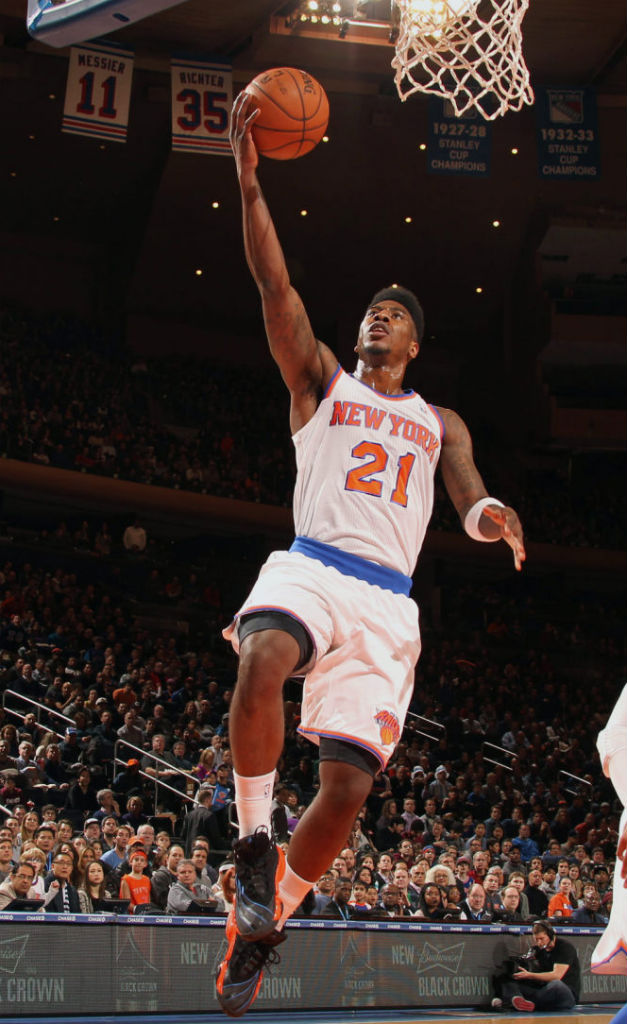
(202, 95)
(98, 92)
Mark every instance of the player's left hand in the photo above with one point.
(511, 530)
(522, 975)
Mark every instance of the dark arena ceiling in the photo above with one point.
(121, 229)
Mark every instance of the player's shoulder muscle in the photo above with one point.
(456, 432)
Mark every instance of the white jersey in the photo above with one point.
(366, 463)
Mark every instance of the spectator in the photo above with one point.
(134, 538)
(473, 907)
(18, 885)
(560, 905)
(390, 903)
(37, 860)
(91, 890)
(6, 859)
(187, 894)
(201, 821)
(509, 911)
(430, 904)
(45, 837)
(205, 873)
(136, 886)
(590, 912)
(528, 847)
(117, 854)
(65, 899)
(339, 906)
(323, 893)
(537, 899)
(165, 876)
(82, 798)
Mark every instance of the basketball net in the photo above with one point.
(467, 51)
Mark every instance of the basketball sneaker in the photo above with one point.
(259, 867)
(523, 1005)
(241, 972)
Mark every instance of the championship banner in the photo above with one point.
(457, 145)
(201, 104)
(568, 134)
(98, 92)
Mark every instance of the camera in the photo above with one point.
(523, 961)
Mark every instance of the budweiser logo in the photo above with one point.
(11, 952)
(447, 959)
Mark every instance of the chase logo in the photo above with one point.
(11, 952)
(447, 958)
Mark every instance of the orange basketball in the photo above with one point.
(294, 112)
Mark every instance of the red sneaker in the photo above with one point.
(523, 1005)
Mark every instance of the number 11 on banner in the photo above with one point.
(98, 92)
(202, 94)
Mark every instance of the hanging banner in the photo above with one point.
(457, 145)
(568, 134)
(98, 92)
(202, 92)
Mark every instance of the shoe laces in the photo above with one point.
(256, 955)
(253, 857)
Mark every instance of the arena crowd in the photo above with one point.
(71, 399)
(493, 807)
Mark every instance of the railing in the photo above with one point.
(145, 774)
(50, 712)
(434, 726)
(569, 775)
(492, 760)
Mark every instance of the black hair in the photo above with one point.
(406, 299)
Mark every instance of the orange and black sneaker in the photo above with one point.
(259, 867)
(241, 972)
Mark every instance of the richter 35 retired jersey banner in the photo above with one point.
(98, 92)
(202, 94)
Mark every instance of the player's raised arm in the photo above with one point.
(482, 517)
(290, 336)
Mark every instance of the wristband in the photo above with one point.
(471, 522)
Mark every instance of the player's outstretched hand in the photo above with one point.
(243, 116)
(511, 530)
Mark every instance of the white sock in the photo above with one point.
(292, 892)
(253, 798)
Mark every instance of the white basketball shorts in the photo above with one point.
(366, 640)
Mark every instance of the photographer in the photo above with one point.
(555, 983)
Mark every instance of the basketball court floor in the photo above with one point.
(593, 1013)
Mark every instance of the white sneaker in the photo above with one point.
(497, 1004)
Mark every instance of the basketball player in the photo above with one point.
(335, 607)
(610, 954)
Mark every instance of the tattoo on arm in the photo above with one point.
(461, 477)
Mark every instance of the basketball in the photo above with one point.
(294, 113)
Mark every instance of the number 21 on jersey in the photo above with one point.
(366, 477)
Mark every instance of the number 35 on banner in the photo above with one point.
(202, 94)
